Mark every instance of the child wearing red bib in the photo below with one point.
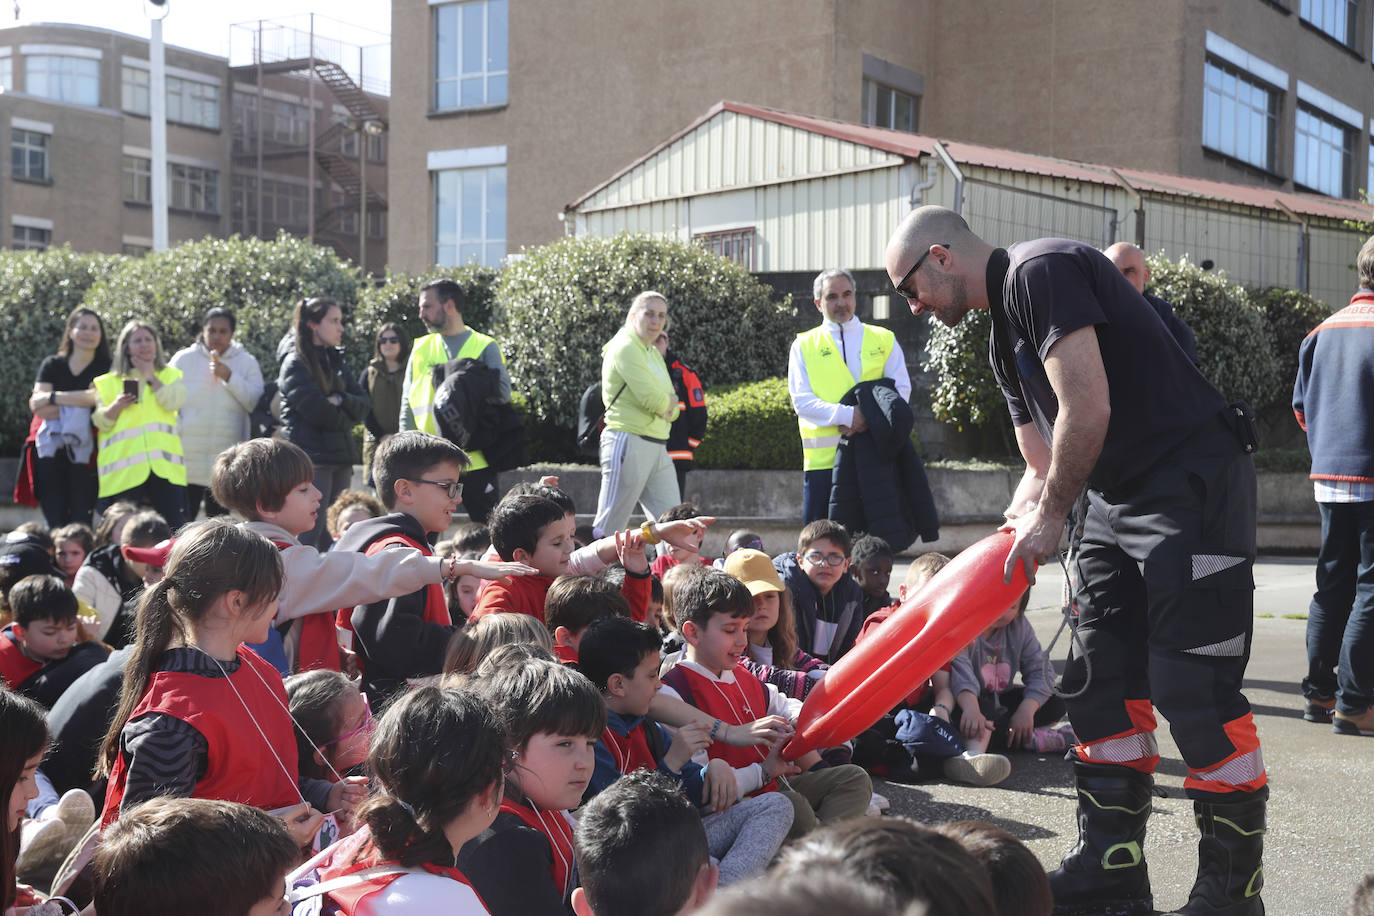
(523, 864)
(437, 756)
(201, 714)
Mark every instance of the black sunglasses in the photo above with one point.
(388, 340)
(901, 286)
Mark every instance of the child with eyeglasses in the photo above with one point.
(333, 721)
(826, 601)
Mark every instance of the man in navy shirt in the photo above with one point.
(1130, 260)
(1102, 396)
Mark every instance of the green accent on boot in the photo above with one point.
(1145, 807)
(1132, 849)
(1258, 831)
(1252, 888)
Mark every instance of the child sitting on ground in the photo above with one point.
(1019, 884)
(871, 566)
(270, 483)
(641, 849)
(773, 655)
(73, 544)
(828, 603)
(620, 657)
(39, 654)
(193, 855)
(989, 711)
(333, 723)
(471, 645)
(713, 609)
(553, 716)
(350, 506)
(573, 604)
(536, 531)
(201, 714)
(689, 551)
(111, 583)
(437, 757)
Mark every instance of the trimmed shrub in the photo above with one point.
(965, 391)
(1232, 345)
(1288, 317)
(397, 297)
(558, 305)
(750, 426)
(259, 280)
(38, 289)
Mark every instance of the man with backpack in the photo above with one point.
(441, 309)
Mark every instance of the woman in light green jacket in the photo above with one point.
(640, 407)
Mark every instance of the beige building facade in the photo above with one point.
(512, 109)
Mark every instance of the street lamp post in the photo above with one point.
(156, 11)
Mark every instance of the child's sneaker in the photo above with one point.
(77, 811)
(978, 769)
(1049, 739)
(1320, 710)
(877, 805)
(42, 843)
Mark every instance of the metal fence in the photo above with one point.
(1007, 214)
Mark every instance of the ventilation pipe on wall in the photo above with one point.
(953, 167)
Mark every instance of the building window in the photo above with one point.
(134, 90)
(29, 154)
(376, 224)
(884, 106)
(138, 180)
(7, 74)
(193, 188)
(63, 79)
(285, 205)
(470, 216)
(734, 244)
(193, 102)
(1369, 178)
(1239, 116)
(134, 251)
(470, 45)
(376, 148)
(1334, 17)
(1323, 154)
(30, 238)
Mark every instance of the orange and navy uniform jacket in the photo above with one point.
(525, 595)
(524, 862)
(734, 704)
(355, 854)
(1331, 397)
(689, 428)
(398, 638)
(631, 743)
(234, 715)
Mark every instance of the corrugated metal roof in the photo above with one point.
(914, 146)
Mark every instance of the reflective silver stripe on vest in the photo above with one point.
(1245, 768)
(141, 458)
(133, 432)
(821, 442)
(1140, 746)
(160, 428)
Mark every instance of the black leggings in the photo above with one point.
(1050, 712)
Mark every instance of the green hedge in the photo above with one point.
(38, 289)
(965, 391)
(559, 304)
(259, 280)
(1288, 317)
(750, 426)
(396, 298)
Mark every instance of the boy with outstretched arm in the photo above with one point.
(270, 483)
(713, 609)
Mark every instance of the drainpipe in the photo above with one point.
(953, 167)
(917, 198)
(1139, 208)
(1304, 243)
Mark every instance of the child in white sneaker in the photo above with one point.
(990, 712)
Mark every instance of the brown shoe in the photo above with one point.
(1359, 724)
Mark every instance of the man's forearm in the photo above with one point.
(1078, 438)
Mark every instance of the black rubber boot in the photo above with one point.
(1229, 869)
(1105, 875)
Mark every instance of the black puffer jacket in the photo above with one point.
(309, 420)
(880, 484)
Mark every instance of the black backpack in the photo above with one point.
(469, 413)
(591, 419)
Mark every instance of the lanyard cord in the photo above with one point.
(1067, 608)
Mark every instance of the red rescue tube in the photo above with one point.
(928, 630)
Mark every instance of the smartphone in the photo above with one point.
(131, 387)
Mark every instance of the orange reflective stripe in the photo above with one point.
(1142, 715)
(1137, 750)
(680, 456)
(1243, 771)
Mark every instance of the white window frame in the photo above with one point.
(193, 102)
(873, 117)
(495, 83)
(1337, 18)
(135, 90)
(192, 187)
(1226, 62)
(1305, 135)
(484, 160)
(30, 233)
(26, 140)
(65, 76)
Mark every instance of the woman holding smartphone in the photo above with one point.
(140, 456)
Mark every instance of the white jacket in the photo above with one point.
(215, 415)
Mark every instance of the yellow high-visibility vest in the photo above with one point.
(144, 439)
(831, 379)
(429, 352)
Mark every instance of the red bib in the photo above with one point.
(558, 832)
(15, 666)
(350, 857)
(631, 752)
(240, 768)
(734, 704)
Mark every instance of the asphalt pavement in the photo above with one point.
(1320, 841)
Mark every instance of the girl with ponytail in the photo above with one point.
(437, 759)
(201, 714)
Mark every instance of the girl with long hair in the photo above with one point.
(385, 385)
(773, 654)
(26, 738)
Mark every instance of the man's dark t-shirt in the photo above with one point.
(1050, 288)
